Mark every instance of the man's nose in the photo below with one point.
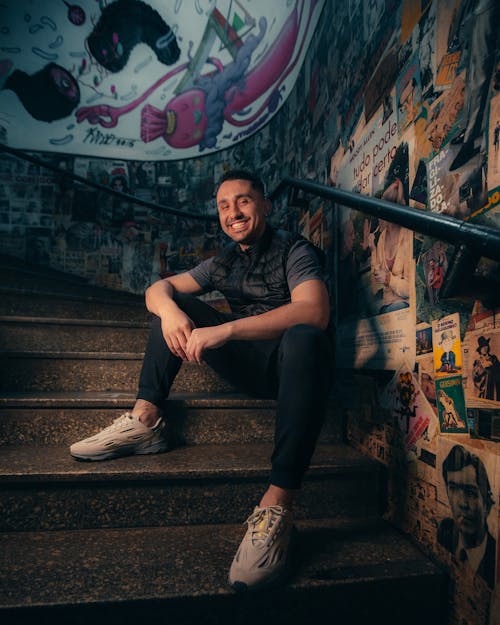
(462, 499)
(235, 211)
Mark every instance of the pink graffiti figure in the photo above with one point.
(196, 116)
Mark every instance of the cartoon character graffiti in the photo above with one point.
(196, 114)
(52, 93)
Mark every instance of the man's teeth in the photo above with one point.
(238, 225)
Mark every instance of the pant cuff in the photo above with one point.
(152, 397)
(285, 479)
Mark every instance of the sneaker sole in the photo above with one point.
(119, 453)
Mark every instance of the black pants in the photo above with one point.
(295, 369)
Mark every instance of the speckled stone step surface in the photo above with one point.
(350, 574)
(45, 488)
(45, 371)
(57, 419)
(20, 333)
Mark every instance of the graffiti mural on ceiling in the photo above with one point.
(146, 80)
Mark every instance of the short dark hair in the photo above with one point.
(243, 174)
(458, 459)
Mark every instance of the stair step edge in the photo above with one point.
(203, 461)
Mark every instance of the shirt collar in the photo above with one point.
(261, 245)
(475, 555)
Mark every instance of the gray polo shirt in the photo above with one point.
(302, 264)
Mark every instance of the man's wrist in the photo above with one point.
(230, 330)
(166, 308)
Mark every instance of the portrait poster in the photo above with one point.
(468, 476)
(446, 345)
(482, 366)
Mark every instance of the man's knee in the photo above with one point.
(305, 341)
(186, 302)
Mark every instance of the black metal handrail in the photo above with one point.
(482, 240)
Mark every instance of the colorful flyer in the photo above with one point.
(406, 402)
(446, 345)
(451, 405)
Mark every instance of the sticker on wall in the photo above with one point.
(147, 80)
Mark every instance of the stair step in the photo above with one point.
(45, 371)
(89, 335)
(59, 419)
(45, 488)
(72, 305)
(350, 572)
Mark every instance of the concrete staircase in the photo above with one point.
(152, 537)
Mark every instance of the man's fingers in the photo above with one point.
(175, 347)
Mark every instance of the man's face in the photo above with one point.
(467, 505)
(242, 211)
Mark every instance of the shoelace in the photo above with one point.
(261, 522)
(120, 422)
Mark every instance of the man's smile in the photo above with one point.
(238, 225)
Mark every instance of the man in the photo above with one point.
(466, 535)
(273, 343)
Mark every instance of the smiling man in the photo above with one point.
(272, 344)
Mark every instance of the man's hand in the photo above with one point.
(206, 338)
(177, 328)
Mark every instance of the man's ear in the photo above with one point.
(269, 207)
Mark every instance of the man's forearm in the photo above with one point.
(160, 297)
(272, 324)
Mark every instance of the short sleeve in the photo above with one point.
(202, 273)
(303, 263)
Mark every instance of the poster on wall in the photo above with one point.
(451, 405)
(446, 345)
(482, 367)
(469, 524)
(147, 80)
(376, 271)
(404, 400)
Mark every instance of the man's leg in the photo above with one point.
(303, 370)
(141, 431)
(160, 366)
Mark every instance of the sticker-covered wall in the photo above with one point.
(395, 99)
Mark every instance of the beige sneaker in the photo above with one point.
(126, 436)
(264, 556)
